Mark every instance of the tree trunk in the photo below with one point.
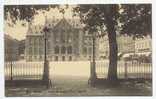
(113, 48)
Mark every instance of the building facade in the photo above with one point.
(11, 48)
(66, 41)
(143, 46)
(126, 45)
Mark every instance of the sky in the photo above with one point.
(19, 32)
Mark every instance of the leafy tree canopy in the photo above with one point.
(26, 12)
(130, 19)
(136, 19)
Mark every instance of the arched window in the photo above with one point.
(35, 50)
(63, 58)
(70, 58)
(62, 38)
(56, 35)
(84, 50)
(30, 41)
(56, 58)
(56, 50)
(69, 38)
(30, 50)
(63, 50)
(69, 50)
(90, 50)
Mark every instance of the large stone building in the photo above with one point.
(66, 41)
(11, 48)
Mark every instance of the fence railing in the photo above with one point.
(34, 70)
(125, 70)
(21, 70)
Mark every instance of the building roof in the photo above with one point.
(8, 37)
(63, 24)
(35, 29)
(53, 23)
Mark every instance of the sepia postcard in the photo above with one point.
(77, 50)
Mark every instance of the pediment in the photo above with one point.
(63, 25)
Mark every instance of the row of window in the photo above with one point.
(56, 58)
(63, 37)
(87, 50)
(64, 58)
(58, 50)
(58, 38)
(38, 40)
(63, 50)
(142, 45)
(35, 50)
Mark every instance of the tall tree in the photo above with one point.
(102, 18)
(131, 19)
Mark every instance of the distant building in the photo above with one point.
(66, 41)
(143, 46)
(11, 48)
(126, 45)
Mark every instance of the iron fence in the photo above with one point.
(34, 70)
(125, 69)
(23, 71)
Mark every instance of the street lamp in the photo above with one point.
(93, 63)
(46, 63)
(11, 65)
